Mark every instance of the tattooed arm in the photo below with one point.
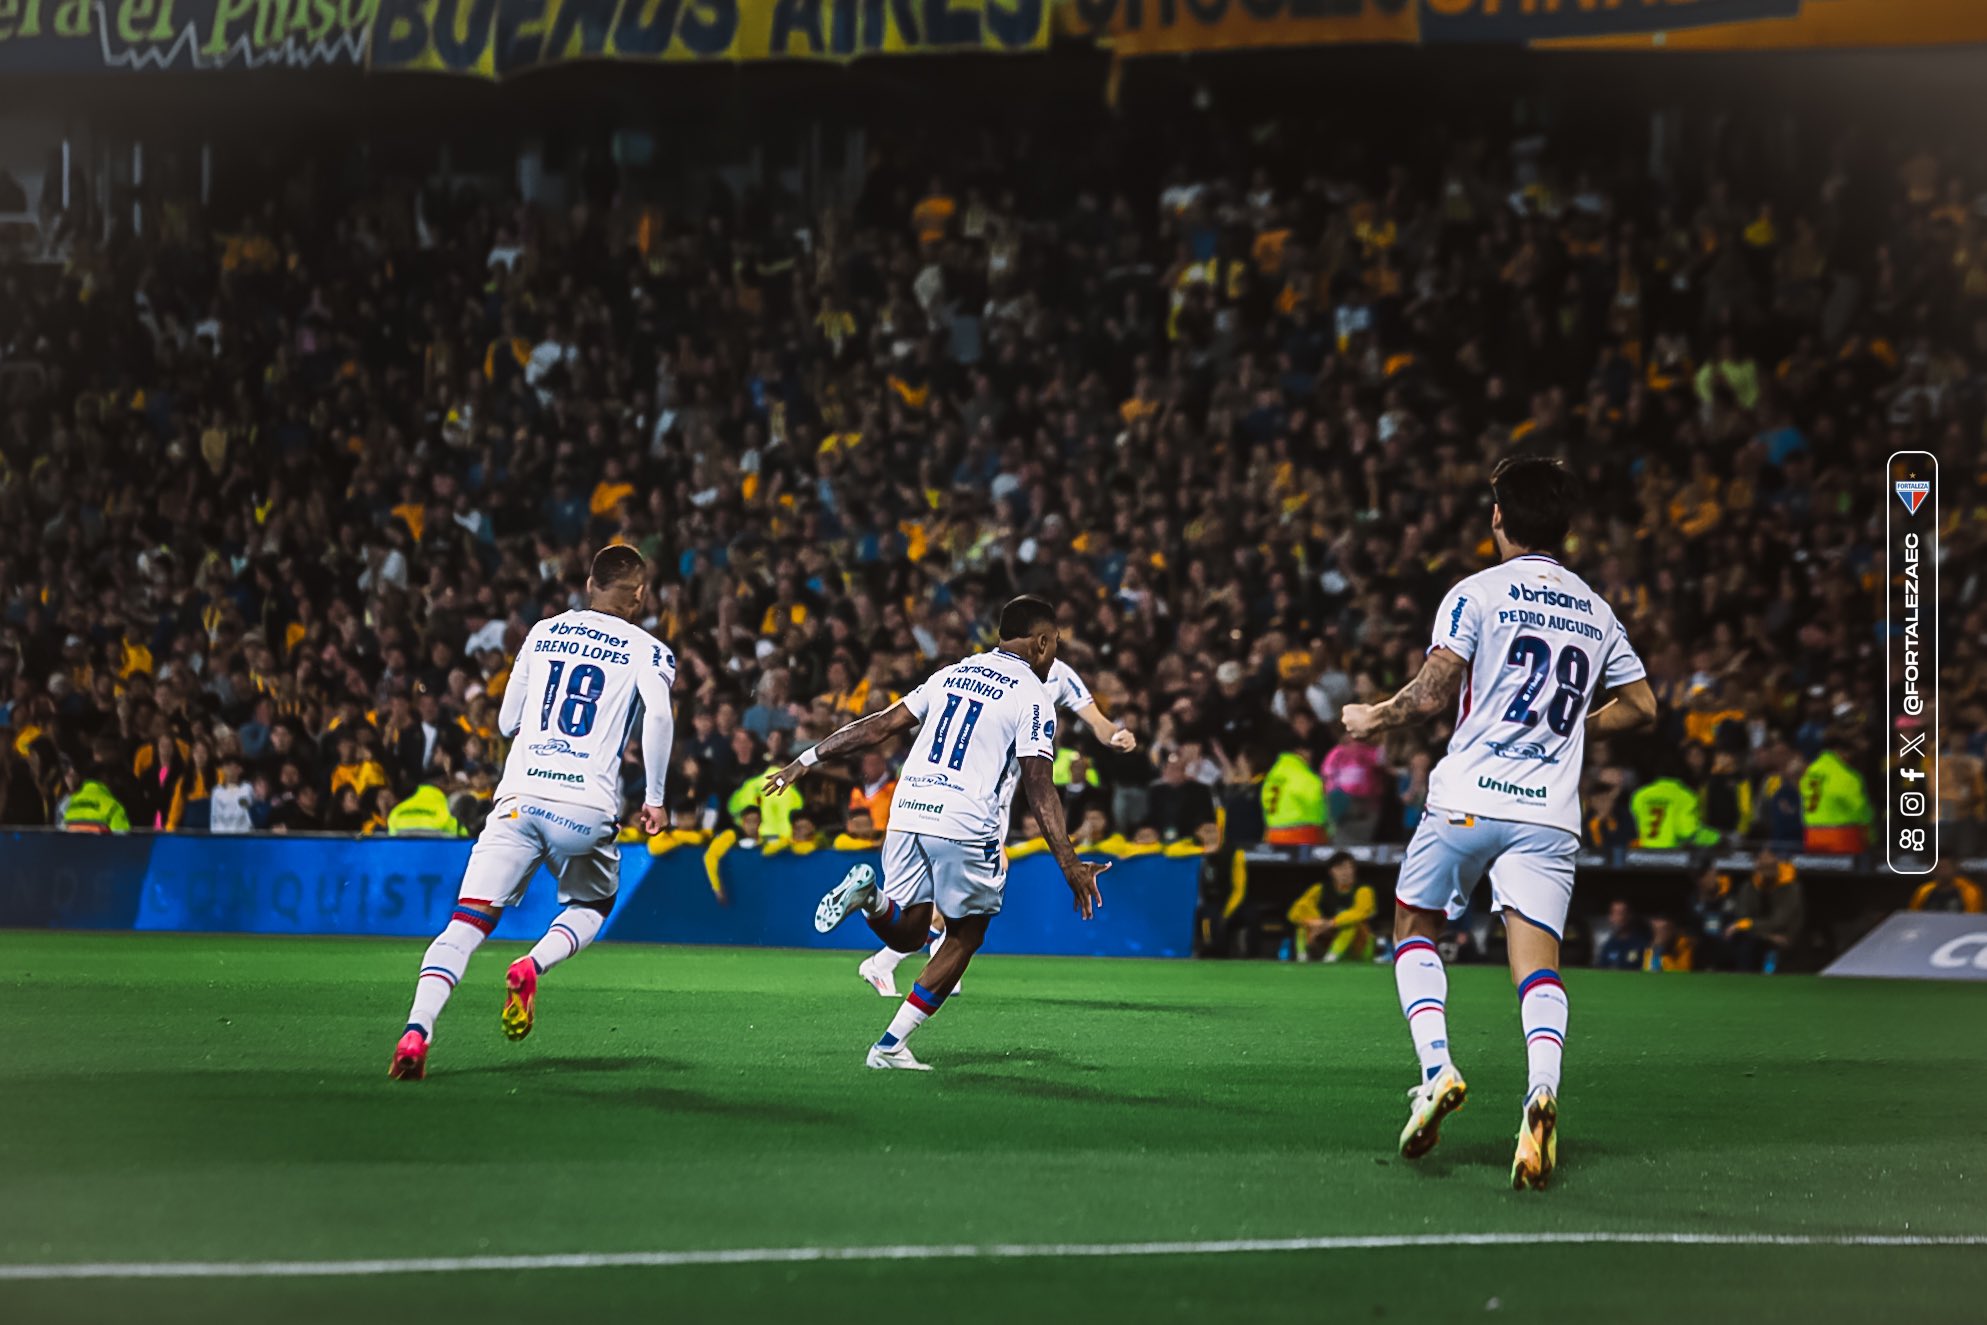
(1432, 690)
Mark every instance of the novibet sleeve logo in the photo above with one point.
(1912, 492)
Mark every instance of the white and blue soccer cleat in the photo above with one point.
(898, 1057)
(853, 893)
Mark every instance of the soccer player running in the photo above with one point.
(581, 683)
(1528, 645)
(1068, 692)
(982, 724)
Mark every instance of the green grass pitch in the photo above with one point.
(171, 1099)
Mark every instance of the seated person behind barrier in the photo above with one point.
(1626, 942)
(1670, 949)
(1347, 933)
(1771, 915)
(1947, 890)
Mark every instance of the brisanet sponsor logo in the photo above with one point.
(1552, 598)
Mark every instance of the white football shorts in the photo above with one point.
(1530, 865)
(961, 878)
(574, 842)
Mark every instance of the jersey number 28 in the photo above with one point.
(582, 698)
(1563, 711)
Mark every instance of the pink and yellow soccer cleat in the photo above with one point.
(522, 979)
(1538, 1143)
(410, 1057)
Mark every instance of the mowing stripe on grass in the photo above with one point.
(953, 1252)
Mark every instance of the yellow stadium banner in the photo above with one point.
(1174, 27)
(498, 38)
(1815, 23)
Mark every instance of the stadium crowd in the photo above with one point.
(279, 497)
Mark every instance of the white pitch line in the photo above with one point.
(998, 1251)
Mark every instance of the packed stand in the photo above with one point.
(280, 498)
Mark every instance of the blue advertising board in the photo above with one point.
(405, 887)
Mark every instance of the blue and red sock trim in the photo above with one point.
(558, 927)
(476, 918)
(1539, 979)
(440, 973)
(924, 1000)
(1546, 1033)
(1415, 944)
(1422, 1005)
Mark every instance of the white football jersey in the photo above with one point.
(577, 692)
(1538, 643)
(979, 718)
(1066, 688)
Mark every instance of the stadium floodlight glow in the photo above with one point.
(1911, 662)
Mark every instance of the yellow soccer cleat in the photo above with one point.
(1428, 1104)
(1538, 1143)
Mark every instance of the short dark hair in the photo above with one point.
(1025, 615)
(616, 564)
(1536, 494)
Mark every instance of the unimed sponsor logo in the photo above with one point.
(1511, 788)
(554, 775)
(920, 807)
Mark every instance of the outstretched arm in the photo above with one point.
(1630, 708)
(1038, 780)
(1110, 733)
(1433, 689)
(858, 735)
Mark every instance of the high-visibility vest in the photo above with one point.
(1666, 816)
(92, 809)
(1293, 794)
(425, 813)
(1832, 794)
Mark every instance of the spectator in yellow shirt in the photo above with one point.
(933, 214)
(859, 833)
(1670, 949)
(610, 492)
(1948, 890)
(1347, 933)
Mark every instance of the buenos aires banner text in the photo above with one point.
(493, 38)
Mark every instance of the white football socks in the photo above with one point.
(890, 959)
(442, 966)
(1423, 984)
(1542, 1009)
(913, 1013)
(576, 927)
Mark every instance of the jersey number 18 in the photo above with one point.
(582, 698)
